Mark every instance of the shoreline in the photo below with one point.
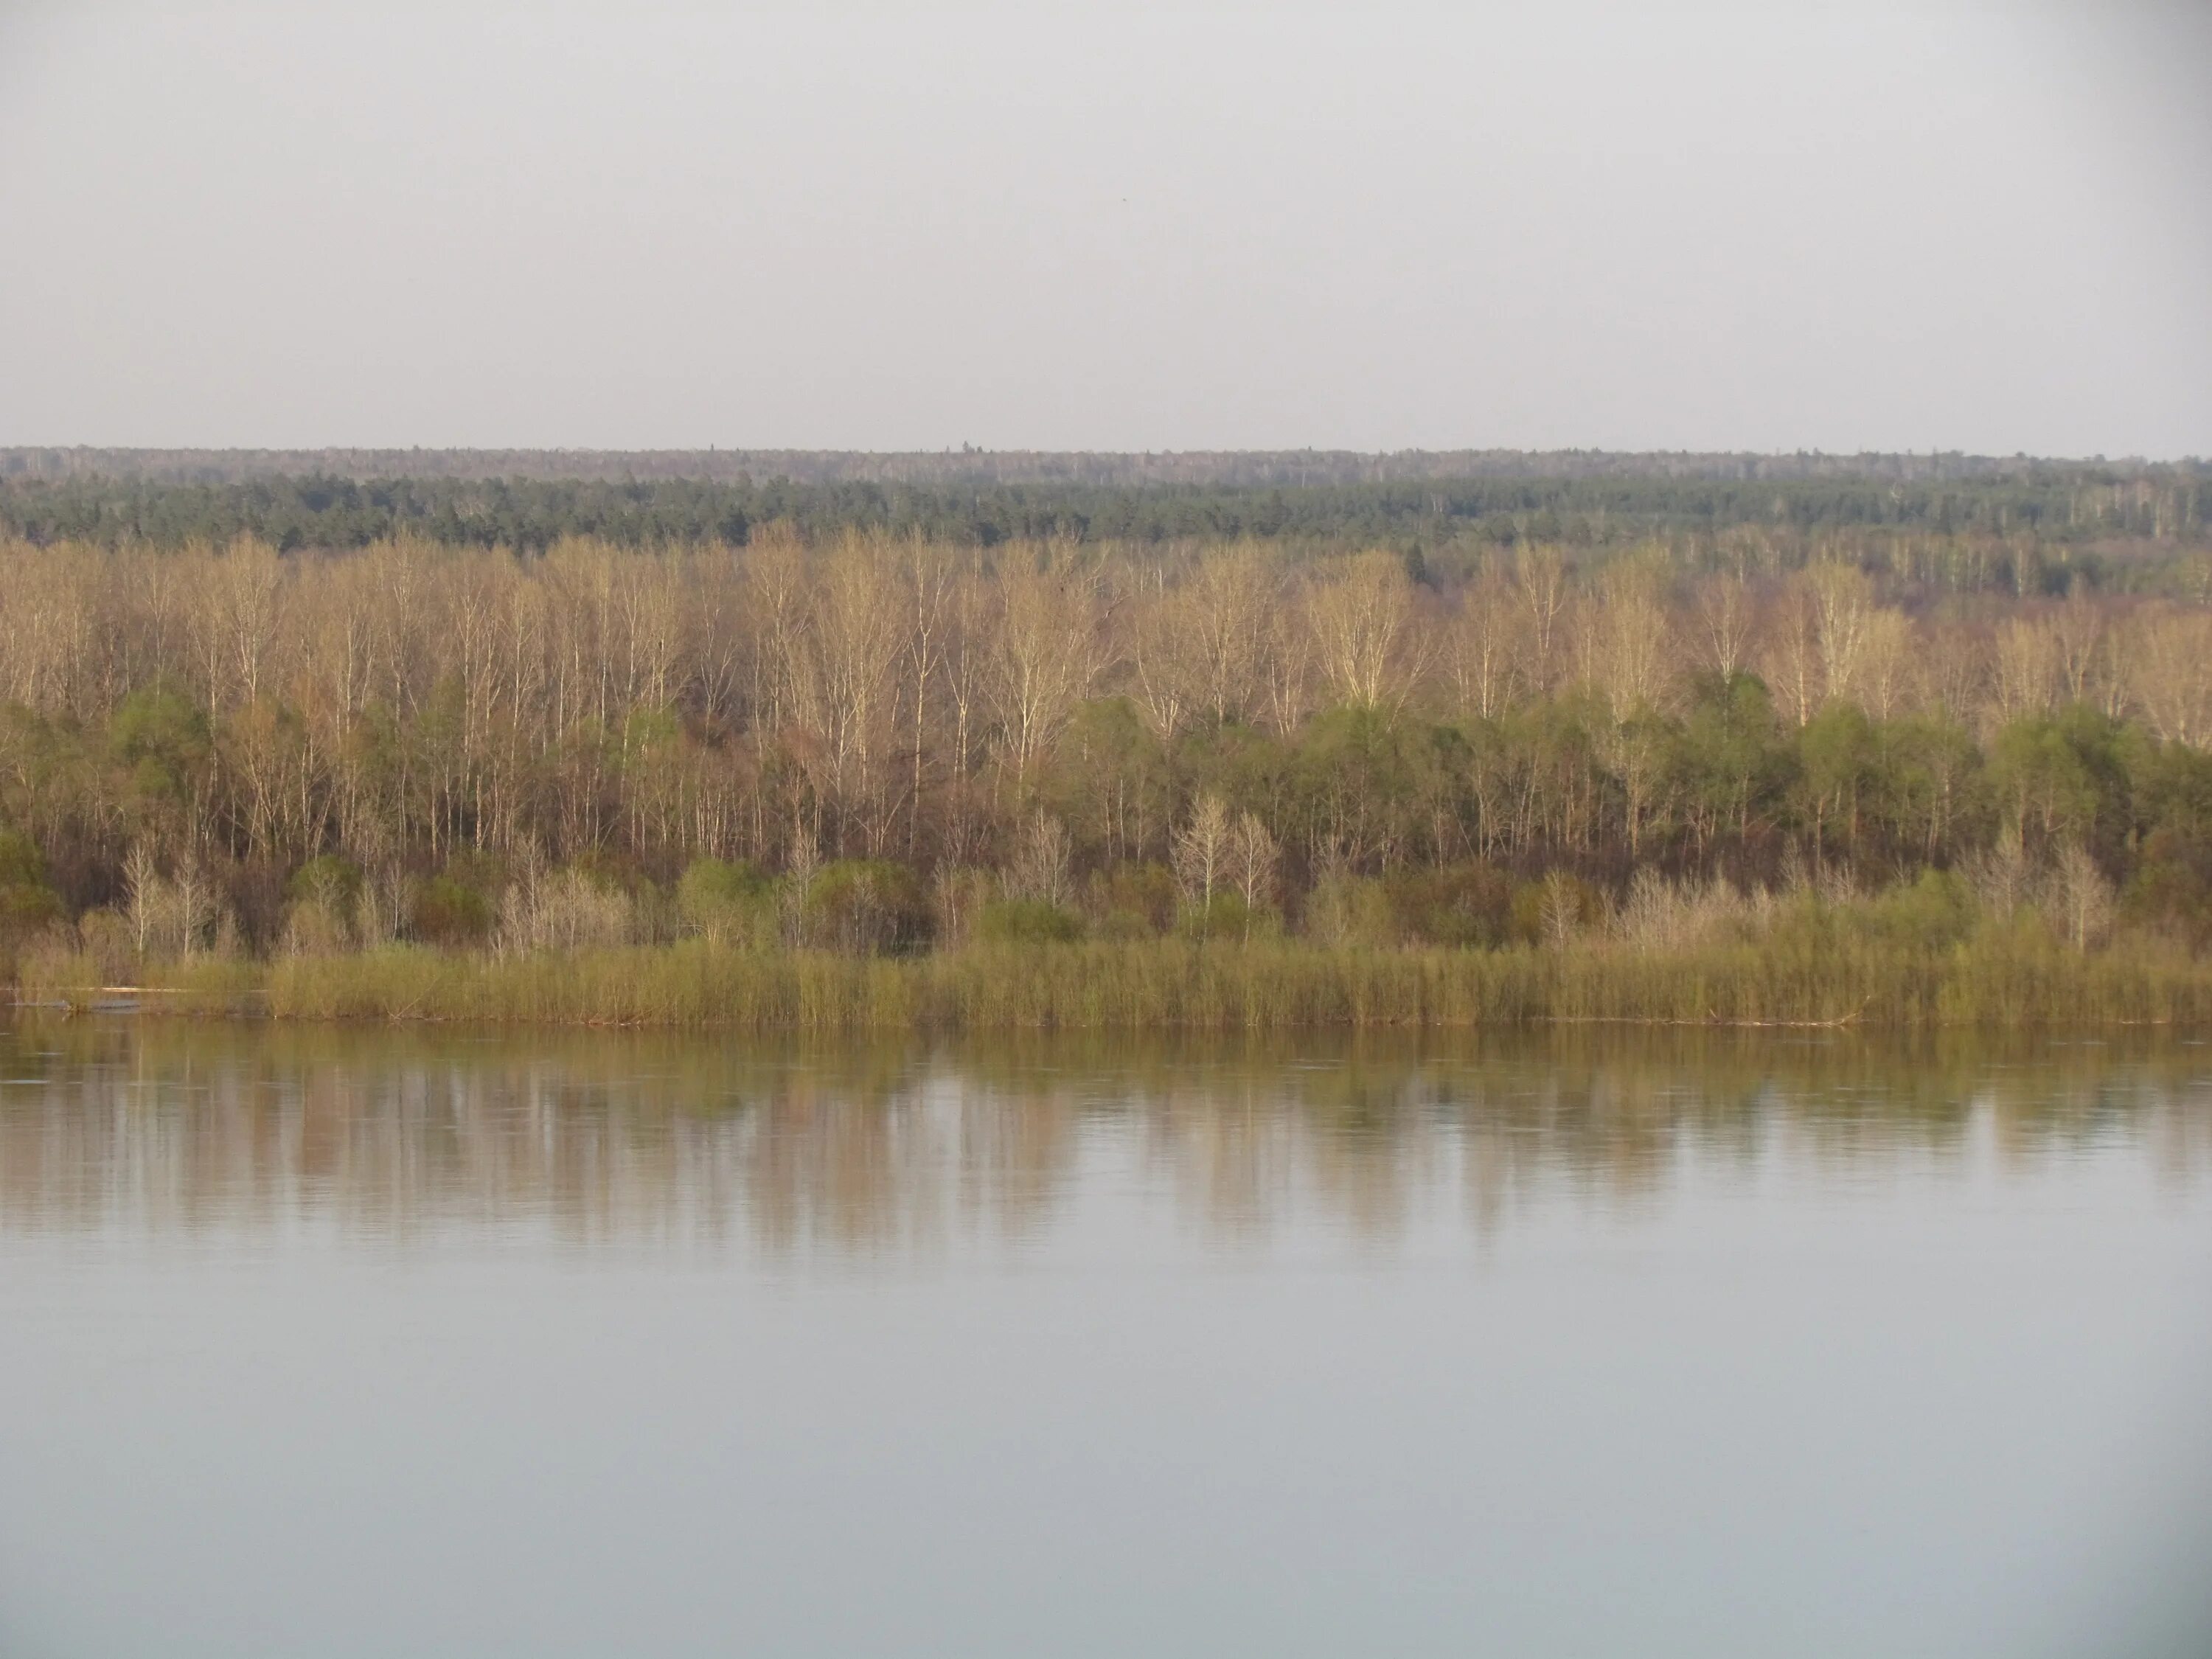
(1997, 982)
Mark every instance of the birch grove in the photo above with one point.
(1237, 716)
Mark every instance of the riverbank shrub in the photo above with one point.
(863, 907)
(1026, 921)
(727, 902)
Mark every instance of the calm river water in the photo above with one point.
(1579, 1343)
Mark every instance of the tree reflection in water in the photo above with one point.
(903, 1151)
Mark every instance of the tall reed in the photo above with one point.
(1996, 980)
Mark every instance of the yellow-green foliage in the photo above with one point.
(1813, 970)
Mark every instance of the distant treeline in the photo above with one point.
(2079, 508)
(968, 467)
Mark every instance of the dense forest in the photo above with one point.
(874, 741)
(2046, 525)
(969, 466)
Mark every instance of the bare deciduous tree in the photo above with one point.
(1628, 643)
(1203, 847)
(1041, 869)
(1540, 574)
(1361, 617)
(2081, 898)
(2171, 674)
(1479, 648)
(1047, 656)
(1725, 614)
(1254, 858)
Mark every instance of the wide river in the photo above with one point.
(1582, 1342)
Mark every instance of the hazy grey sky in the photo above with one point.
(1082, 225)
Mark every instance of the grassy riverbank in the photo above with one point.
(1996, 980)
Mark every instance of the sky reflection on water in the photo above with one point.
(1585, 1341)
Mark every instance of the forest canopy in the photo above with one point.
(2077, 511)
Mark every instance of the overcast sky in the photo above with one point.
(1092, 226)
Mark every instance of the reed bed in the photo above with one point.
(1996, 980)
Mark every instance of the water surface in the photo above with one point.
(1582, 1342)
